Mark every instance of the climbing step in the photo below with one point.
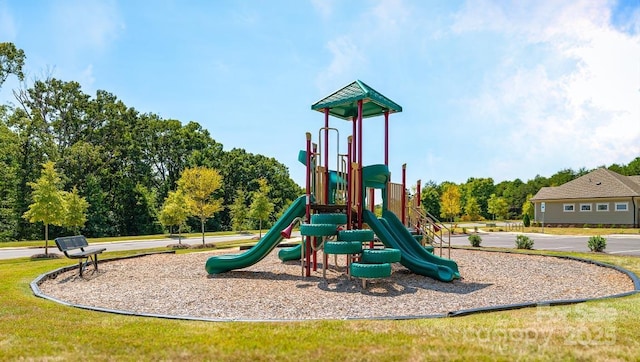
(370, 271)
(342, 247)
(332, 218)
(376, 256)
(355, 235)
(318, 229)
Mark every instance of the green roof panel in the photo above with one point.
(344, 102)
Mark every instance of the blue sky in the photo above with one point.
(501, 89)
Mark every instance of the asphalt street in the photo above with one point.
(11, 253)
(616, 244)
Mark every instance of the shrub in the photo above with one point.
(475, 240)
(526, 221)
(597, 243)
(524, 242)
(464, 230)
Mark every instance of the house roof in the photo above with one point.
(343, 103)
(600, 183)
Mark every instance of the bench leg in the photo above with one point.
(80, 266)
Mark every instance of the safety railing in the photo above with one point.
(432, 230)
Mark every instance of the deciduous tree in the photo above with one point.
(11, 61)
(239, 211)
(49, 206)
(450, 201)
(174, 212)
(261, 207)
(76, 215)
(199, 185)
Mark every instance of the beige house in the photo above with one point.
(601, 197)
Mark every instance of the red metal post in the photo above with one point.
(349, 182)
(307, 248)
(354, 133)
(326, 155)
(386, 138)
(404, 193)
(418, 202)
(360, 164)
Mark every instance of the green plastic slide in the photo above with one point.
(411, 243)
(224, 263)
(292, 253)
(409, 257)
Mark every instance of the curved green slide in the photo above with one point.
(292, 253)
(410, 258)
(224, 263)
(411, 243)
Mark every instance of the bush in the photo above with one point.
(475, 240)
(464, 230)
(524, 242)
(526, 221)
(597, 243)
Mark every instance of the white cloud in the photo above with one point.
(576, 99)
(323, 7)
(86, 25)
(346, 58)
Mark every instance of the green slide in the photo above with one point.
(412, 244)
(224, 263)
(409, 259)
(292, 253)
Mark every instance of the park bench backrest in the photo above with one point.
(67, 243)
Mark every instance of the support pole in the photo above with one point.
(349, 183)
(404, 194)
(307, 239)
(360, 194)
(326, 156)
(386, 137)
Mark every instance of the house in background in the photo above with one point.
(601, 197)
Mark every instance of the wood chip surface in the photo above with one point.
(178, 285)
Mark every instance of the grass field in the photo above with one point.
(35, 329)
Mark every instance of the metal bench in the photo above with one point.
(73, 247)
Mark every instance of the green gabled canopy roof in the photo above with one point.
(344, 102)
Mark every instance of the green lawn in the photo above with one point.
(36, 329)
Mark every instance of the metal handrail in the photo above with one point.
(434, 230)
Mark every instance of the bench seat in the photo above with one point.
(73, 247)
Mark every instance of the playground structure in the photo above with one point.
(336, 213)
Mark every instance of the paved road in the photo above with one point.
(616, 244)
(11, 253)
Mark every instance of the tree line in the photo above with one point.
(481, 198)
(122, 162)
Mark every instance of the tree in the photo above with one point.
(199, 185)
(498, 206)
(48, 204)
(238, 211)
(174, 212)
(11, 61)
(431, 198)
(261, 207)
(450, 201)
(76, 215)
(472, 209)
(527, 207)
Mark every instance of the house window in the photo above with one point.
(602, 207)
(585, 207)
(568, 207)
(622, 206)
